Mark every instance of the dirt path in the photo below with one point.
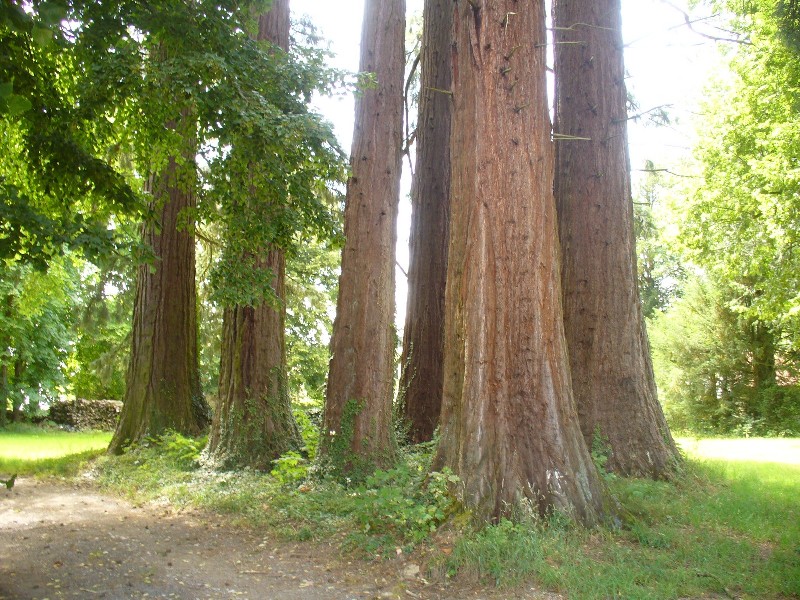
(61, 541)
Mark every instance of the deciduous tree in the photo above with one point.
(162, 390)
(253, 423)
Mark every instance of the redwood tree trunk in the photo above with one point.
(163, 382)
(509, 426)
(423, 336)
(357, 426)
(612, 373)
(253, 424)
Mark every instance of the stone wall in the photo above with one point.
(86, 414)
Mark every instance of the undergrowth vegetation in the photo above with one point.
(720, 529)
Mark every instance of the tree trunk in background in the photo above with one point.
(509, 426)
(163, 382)
(357, 426)
(253, 424)
(423, 339)
(4, 393)
(5, 357)
(612, 373)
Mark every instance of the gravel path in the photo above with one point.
(64, 541)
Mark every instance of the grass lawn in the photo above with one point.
(30, 450)
(760, 450)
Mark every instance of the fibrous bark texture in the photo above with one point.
(357, 428)
(253, 424)
(163, 382)
(420, 388)
(612, 373)
(509, 426)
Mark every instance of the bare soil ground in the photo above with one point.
(70, 541)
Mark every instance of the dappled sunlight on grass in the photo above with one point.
(29, 450)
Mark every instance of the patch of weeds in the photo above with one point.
(507, 553)
(406, 503)
(290, 469)
(309, 430)
(155, 467)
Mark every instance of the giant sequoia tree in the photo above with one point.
(163, 380)
(509, 425)
(357, 427)
(612, 374)
(262, 190)
(253, 424)
(423, 334)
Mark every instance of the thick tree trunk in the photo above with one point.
(163, 382)
(357, 427)
(423, 336)
(253, 424)
(509, 426)
(612, 373)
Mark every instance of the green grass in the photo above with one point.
(31, 450)
(730, 528)
(723, 528)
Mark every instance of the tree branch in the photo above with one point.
(690, 22)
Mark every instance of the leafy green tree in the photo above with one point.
(742, 222)
(660, 272)
(36, 311)
(728, 350)
(312, 274)
(719, 370)
(65, 184)
(96, 366)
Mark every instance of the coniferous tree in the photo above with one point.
(357, 425)
(509, 426)
(423, 335)
(612, 373)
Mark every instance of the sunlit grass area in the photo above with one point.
(30, 450)
(778, 450)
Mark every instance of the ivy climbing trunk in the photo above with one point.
(612, 373)
(420, 389)
(509, 426)
(163, 382)
(253, 424)
(357, 425)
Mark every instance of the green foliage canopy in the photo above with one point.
(742, 223)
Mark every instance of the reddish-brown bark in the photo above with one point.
(253, 424)
(423, 336)
(612, 373)
(163, 382)
(357, 428)
(509, 426)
